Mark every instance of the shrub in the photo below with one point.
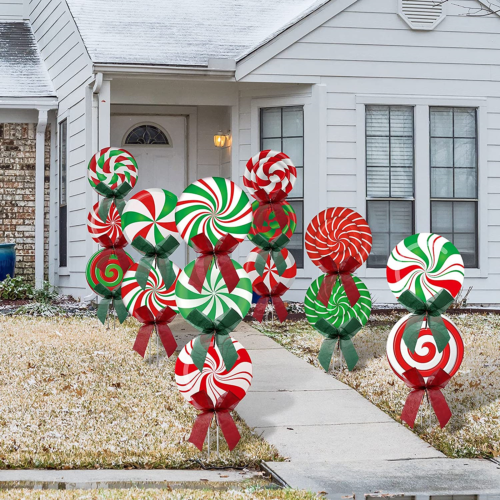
(15, 289)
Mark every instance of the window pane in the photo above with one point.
(441, 152)
(294, 148)
(442, 217)
(298, 188)
(401, 182)
(402, 121)
(274, 144)
(293, 122)
(377, 182)
(466, 245)
(465, 183)
(401, 217)
(442, 122)
(465, 217)
(377, 120)
(465, 153)
(380, 250)
(378, 216)
(296, 245)
(401, 151)
(63, 162)
(377, 151)
(465, 122)
(271, 123)
(442, 182)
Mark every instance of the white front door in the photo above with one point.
(160, 165)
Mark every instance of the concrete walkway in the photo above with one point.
(336, 440)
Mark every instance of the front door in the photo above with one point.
(158, 143)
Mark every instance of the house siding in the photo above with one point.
(11, 10)
(70, 68)
(369, 49)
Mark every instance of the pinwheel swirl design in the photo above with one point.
(112, 167)
(213, 379)
(268, 226)
(271, 277)
(113, 273)
(108, 232)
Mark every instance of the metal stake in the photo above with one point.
(157, 348)
(217, 424)
(208, 440)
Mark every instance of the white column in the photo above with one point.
(40, 196)
(105, 114)
(422, 171)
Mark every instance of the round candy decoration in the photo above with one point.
(271, 171)
(107, 232)
(425, 264)
(213, 379)
(268, 226)
(339, 233)
(271, 277)
(155, 296)
(339, 310)
(112, 167)
(214, 298)
(215, 207)
(150, 214)
(113, 273)
(426, 358)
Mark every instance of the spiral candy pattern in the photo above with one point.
(339, 310)
(113, 274)
(215, 207)
(112, 167)
(338, 233)
(271, 277)
(155, 296)
(108, 231)
(214, 298)
(213, 379)
(150, 214)
(271, 171)
(425, 264)
(426, 358)
(268, 226)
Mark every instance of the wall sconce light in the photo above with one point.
(220, 139)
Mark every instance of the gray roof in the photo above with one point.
(181, 32)
(22, 72)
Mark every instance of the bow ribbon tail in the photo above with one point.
(439, 331)
(279, 261)
(200, 270)
(142, 339)
(142, 273)
(326, 353)
(200, 349)
(260, 308)
(279, 307)
(261, 260)
(350, 288)
(167, 338)
(228, 428)
(228, 271)
(102, 310)
(227, 350)
(104, 207)
(200, 428)
(348, 350)
(325, 290)
(121, 310)
(412, 331)
(166, 271)
(412, 404)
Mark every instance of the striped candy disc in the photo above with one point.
(213, 206)
(339, 233)
(150, 214)
(214, 298)
(339, 310)
(268, 226)
(425, 264)
(154, 296)
(271, 277)
(113, 273)
(426, 358)
(108, 231)
(213, 379)
(271, 171)
(112, 167)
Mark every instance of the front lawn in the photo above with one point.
(473, 394)
(73, 394)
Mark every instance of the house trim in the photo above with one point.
(422, 192)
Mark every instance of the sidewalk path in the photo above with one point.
(336, 440)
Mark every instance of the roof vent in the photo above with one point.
(422, 14)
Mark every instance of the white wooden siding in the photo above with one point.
(69, 67)
(11, 10)
(369, 49)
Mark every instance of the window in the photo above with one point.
(389, 174)
(63, 194)
(454, 194)
(147, 134)
(282, 129)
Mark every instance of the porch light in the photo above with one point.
(220, 139)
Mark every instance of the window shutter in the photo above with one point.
(422, 14)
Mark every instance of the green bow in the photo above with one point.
(342, 336)
(120, 192)
(270, 247)
(221, 328)
(114, 296)
(105, 205)
(160, 252)
(430, 311)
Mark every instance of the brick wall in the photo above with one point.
(17, 193)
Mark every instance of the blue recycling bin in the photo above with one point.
(7, 260)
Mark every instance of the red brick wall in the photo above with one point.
(17, 193)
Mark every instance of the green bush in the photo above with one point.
(46, 294)
(15, 289)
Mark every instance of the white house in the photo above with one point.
(389, 107)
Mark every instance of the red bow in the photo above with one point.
(437, 381)
(275, 296)
(107, 242)
(273, 202)
(220, 253)
(144, 315)
(329, 267)
(226, 403)
(121, 256)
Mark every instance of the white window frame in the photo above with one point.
(63, 270)
(315, 173)
(422, 207)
